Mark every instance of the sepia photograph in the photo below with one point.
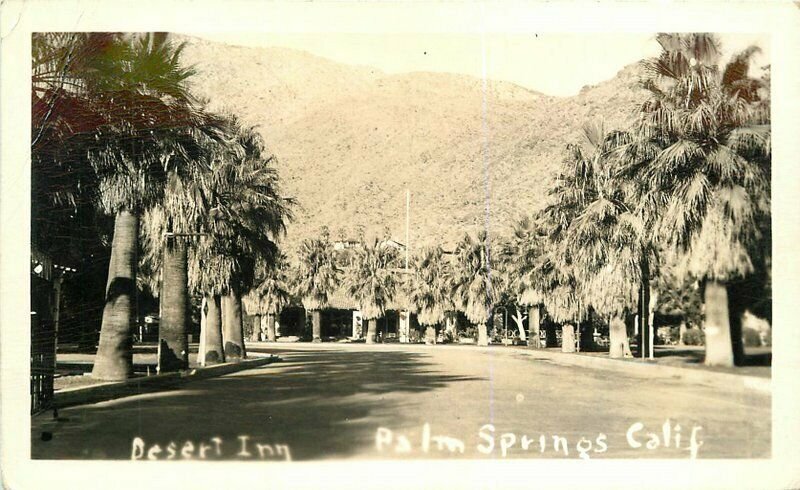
(272, 247)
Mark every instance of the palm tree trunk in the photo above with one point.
(114, 359)
(550, 335)
(232, 328)
(586, 334)
(738, 294)
(271, 317)
(567, 338)
(483, 337)
(719, 348)
(384, 325)
(644, 312)
(173, 342)
(652, 304)
(212, 352)
(430, 335)
(316, 326)
(618, 339)
(371, 328)
(256, 335)
(533, 327)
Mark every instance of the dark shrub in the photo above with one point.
(694, 336)
(751, 337)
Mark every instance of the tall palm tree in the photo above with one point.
(372, 283)
(122, 101)
(168, 230)
(611, 235)
(271, 294)
(557, 273)
(246, 224)
(317, 276)
(475, 281)
(246, 216)
(520, 253)
(430, 289)
(709, 127)
(137, 87)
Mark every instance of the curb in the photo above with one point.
(647, 370)
(136, 386)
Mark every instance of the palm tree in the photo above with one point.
(270, 295)
(430, 289)
(246, 223)
(209, 276)
(316, 277)
(168, 231)
(611, 235)
(372, 283)
(122, 101)
(474, 281)
(520, 253)
(246, 216)
(705, 132)
(556, 272)
(561, 292)
(138, 88)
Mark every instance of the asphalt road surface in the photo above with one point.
(330, 401)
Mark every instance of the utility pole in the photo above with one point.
(406, 325)
(408, 224)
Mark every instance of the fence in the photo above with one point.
(43, 338)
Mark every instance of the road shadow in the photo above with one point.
(697, 356)
(322, 404)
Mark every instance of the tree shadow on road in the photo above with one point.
(322, 404)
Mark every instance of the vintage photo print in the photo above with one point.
(386, 244)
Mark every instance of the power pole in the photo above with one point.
(408, 224)
(407, 314)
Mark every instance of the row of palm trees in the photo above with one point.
(194, 195)
(683, 192)
(685, 189)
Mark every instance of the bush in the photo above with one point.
(674, 334)
(470, 332)
(694, 336)
(751, 336)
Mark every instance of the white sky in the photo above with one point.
(552, 63)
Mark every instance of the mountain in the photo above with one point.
(351, 139)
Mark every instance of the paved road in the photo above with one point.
(344, 401)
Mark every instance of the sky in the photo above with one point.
(551, 63)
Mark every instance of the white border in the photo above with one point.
(18, 19)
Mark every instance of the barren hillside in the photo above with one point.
(351, 139)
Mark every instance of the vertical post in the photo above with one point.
(160, 312)
(56, 318)
(201, 349)
(408, 222)
(405, 316)
(578, 328)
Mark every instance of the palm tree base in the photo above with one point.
(719, 348)
(568, 339)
